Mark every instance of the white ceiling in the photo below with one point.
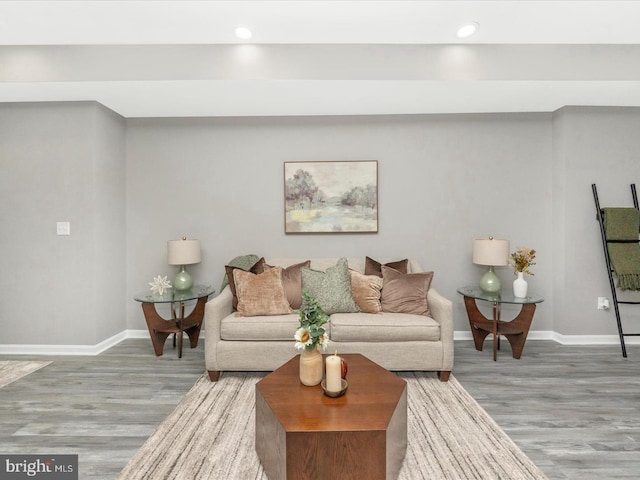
(180, 58)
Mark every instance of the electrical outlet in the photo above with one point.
(603, 303)
(63, 228)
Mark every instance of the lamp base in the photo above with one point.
(183, 280)
(490, 282)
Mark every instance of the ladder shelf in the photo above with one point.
(610, 270)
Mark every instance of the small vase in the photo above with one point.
(520, 286)
(311, 367)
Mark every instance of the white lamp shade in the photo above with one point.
(183, 252)
(491, 251)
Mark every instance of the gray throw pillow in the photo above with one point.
(332, 288)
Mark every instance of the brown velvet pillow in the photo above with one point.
(405, 292)
(258, 267)
(261, 294)
(365, 290)
(292, 282)
(371, 267)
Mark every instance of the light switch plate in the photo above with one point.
(63, 228)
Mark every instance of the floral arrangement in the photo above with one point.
(312, 319)
(522, 259)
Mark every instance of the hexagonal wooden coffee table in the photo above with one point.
(303, 434)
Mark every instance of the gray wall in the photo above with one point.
(443, 181)
(109, 232)
(61, 162)
(601, 146)
(129, 186)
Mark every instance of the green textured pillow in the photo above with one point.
(332, 288)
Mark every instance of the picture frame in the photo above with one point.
(331, 196)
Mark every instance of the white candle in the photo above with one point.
(334, 373)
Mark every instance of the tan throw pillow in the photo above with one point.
(371, 267)
(292, 282)
(405, 293)
(261, 294)
(258, 267)
(366, 291)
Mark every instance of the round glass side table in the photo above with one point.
(515, 331)
(160, 329)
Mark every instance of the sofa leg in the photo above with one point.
(214, 375)
(444, 375)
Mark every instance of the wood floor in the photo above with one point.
(574, 410)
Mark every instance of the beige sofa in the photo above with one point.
(396, 341)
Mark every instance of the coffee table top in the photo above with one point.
(369, 403)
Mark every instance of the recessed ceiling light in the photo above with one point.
(243, 33)
(468, 29)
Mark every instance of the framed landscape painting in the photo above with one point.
(331, 197)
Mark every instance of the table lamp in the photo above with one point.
(492, 252)
(183, 252)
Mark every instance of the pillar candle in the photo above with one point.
(334, 374)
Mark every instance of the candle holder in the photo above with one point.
(341, 392)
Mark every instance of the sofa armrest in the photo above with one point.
(442, 312)
(214, 311)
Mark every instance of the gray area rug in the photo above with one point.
(210, 435)
(12, 370)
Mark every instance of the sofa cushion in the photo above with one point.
(365, 290)
(372, 267)
(261, 294)
(257, 267)
(383, 327)
(405, 293)
(331, 288)
(292, 282)
(260, 328)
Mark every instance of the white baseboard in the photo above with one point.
(457, 335)
(593, 339)
(72, 349)
(563, 339)
(533, 335)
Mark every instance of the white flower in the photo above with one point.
(303, 338)
(324, 341)
(160, 284)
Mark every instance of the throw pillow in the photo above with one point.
(258, 267)
(331, 288)
(365, 290)
(245, 262)
(371, 267)
(405, 292)
(261, 294)
(292, 282)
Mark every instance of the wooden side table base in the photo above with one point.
(160, 329)
(516, 330)
(521, 325)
